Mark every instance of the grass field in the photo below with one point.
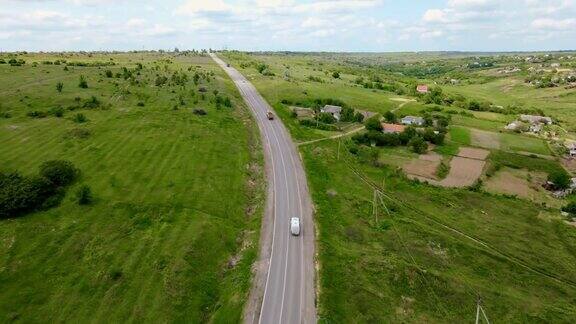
(460, 135)
(423, 262)
(173, 230)
(513, 142)
(558, 102)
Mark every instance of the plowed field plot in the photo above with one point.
(463, 172)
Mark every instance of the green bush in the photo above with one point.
(20, 194)
(80, 118)
(373, 124)
(83, 83)
(84, 195)
(37, 114)
(561, 179)
(418, 145)
(92, 103)
(57, 111)
(59, 172)
(570, 208)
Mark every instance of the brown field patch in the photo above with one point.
(506, 182)
(473, 153)
(421, 168)
(522, 183)
(463, 172)
(484, 139)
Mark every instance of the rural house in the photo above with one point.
(571, 149)
(513, 125)
(422, 88)
(536, 119)
(392, 128)
(333, 110)
(413, 120)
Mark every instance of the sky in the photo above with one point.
(289, 25)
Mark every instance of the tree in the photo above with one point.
(108, 73)
(326, 118)
(418, 145)
(358, 117)
(390, 117)
(570, 208)
(336, 75)
(561, 179)
(347, 114)
(84, 195)
(59, 172)
(373, 124)
(83, 83)
(59, 86)
(407, 135)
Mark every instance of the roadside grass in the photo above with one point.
(171, 197)
(460, 135)
(408, 267)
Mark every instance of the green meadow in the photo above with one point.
(173, 228)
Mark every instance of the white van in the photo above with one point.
(295, 226)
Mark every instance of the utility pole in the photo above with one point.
(480, 309)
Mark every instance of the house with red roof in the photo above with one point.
(422, 88)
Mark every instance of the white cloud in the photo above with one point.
(553, 24)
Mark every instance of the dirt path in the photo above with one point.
(404, 102)
(356, 130)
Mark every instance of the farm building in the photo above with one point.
(303, 112)
(536, 119)
(413, 120)
(422, 88)
(513, 125)
(392, 128)
(571, 149)
(335, 111)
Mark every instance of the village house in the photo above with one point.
(335, 111)
(536, 119)
(392, 128)
(412, 120)
(513, 125)
(422, 88)
(571, 149)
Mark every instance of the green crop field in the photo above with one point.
(173, 229)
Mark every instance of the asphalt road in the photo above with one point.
(285, 279)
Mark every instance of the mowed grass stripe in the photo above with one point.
(185, 232)
(155, 157)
